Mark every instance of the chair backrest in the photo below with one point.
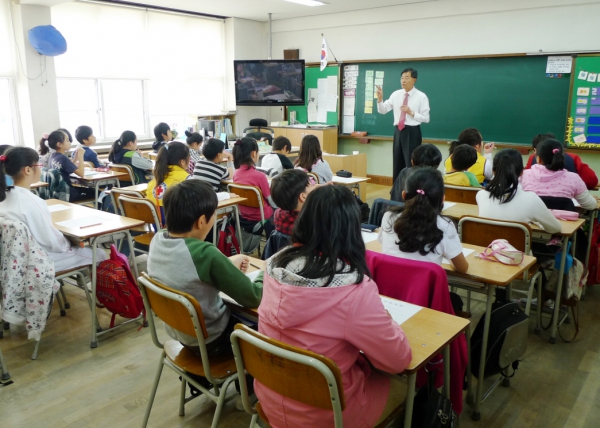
(89, 165)
(139, 209)
(293, 372)
(176, 309)
(379, 208)
(314, 176)
(152, 155)
(126, 169)
(463, 194)
(253, 195)
(556, 203)
(482, 231)
(116, 192)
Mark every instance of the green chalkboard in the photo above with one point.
(509, 99)
(313, 74)
(583, 127)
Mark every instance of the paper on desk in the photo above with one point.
(252, 275)
(57, 207)
(399, 310)
(347, 180)
(77, 223)
(368, 236)
(448, 205)
(466, 252)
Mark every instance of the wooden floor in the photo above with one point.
(71, 385)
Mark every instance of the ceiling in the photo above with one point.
(258, 10)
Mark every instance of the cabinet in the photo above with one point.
(328, 137)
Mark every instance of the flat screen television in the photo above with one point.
(269, 82)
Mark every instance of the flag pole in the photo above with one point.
(329, 47)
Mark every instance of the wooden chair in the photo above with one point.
(463, 194)
(126, 169)
(141, 209)
(482, 231)
(315, 176)
(89, 165)
(152, 155)
(182, 312)
(254, 199)
(117, 192)
(293, 372)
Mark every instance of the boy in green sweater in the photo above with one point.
(181, 259)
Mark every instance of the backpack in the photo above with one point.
(228, 243)
(364, 210)
(507, 340)
(116, 288)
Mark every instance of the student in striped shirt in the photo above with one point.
(210, 169)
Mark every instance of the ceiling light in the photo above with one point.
(308, 2)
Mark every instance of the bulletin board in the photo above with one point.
(583, 123)
(312, 76)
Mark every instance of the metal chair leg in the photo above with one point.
(153, 391)
(62, 293)
(35, 351)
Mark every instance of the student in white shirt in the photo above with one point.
(418, 231)
(18, 203)
(505, 199)
(277, 160)
(411, 108)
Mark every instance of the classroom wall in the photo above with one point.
(441, 28)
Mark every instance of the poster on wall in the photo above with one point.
(583, 123)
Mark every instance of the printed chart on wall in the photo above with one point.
(349, 105)
(583, 124)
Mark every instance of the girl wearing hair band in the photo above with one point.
(18, 203)
(418, 231)
(194, 141)
(45, 151)
(549, 178)
(124, 151)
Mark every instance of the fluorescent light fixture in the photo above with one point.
(308, 2)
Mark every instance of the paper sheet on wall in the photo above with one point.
(348, 124)
(322, 100)
(332, 85)
(400, 311)
(332, 102)
(465, 251)
(349, 106)
(312, 104)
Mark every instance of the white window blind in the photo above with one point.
(7, 116)
(7, 59)
(181, 57)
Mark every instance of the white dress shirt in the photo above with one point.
(417, 102)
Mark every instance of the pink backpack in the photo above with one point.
(116, 288)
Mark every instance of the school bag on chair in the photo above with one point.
(507, 340)
(116, 288)
(228, 243)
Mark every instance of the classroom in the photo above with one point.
(100, 136)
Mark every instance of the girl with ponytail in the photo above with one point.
(549, 178)
(17, 203)
(418, 231)
(505, 199)
(124, 151)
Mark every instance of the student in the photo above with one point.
(573, 162)
(289, 190)
(424, 155)
(170, 169)
(124, 151)
(210, 169)
(7, 178)
(181, 258)
(277, 159)
(549, 178)
(245, 157)
(18, 203)
(482, 168)
(59, 142)
(318, 296)
(163, 135)
(459, 174)
(85, 135)
(505, 199)
(310, 159)
(418, 231)
(45, 151)
(194, 141)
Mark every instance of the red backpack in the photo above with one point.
(116, 288)
(228, 243)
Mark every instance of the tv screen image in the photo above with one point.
(269, 82)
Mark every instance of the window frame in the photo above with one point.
(14, 110)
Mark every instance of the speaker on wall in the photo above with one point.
(291, 54)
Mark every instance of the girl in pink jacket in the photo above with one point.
(317, 295)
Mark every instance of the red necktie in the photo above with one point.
(403, 114)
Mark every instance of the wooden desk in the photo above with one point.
(356, 164)
(353, 183)
(35, 186)
(101, 179)
(111, 228)
(428, 332)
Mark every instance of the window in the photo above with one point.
(108, 106)
(7, 118)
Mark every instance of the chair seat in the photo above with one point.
(144, 239)
(185, 359)
(141, 229)
(75, 269)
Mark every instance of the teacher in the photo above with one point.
(411, 108)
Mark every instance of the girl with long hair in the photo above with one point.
(310, 159)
